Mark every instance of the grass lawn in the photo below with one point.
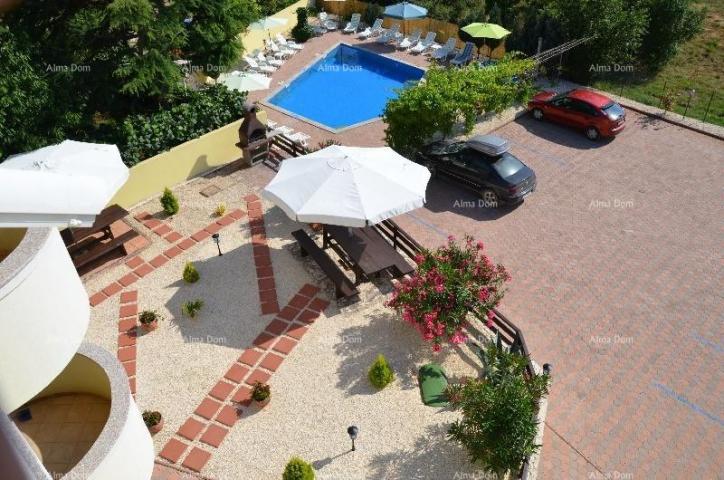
(698, 65)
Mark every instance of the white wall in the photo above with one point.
(44, 315)
(132, 454)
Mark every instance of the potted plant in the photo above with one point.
(149, 320)
(153, 421)
(261, 394)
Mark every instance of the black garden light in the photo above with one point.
(217, 241)
(352, 432)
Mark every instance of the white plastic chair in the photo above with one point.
(390, 34)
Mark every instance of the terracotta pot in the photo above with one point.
(316, 227)
(156, 428)
(149, 327)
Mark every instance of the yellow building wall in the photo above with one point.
(181, 163)
(254, 39)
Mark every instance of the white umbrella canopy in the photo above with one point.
(348, 186)
(245, 82)
(267, 23)
(61, 185)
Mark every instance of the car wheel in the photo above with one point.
(592, 133)
(490, 198)
(538, 114)
(431, 168)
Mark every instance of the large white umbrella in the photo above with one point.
(246, 82)
(267, 23)
(348, 186)
(62, 185)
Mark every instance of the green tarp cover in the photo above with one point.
(432, 385)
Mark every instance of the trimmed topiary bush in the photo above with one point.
(298, 469)
(169, 202)
(380, 373)
(191, 275)
(302, 31)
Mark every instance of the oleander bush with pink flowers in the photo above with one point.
(450, 282)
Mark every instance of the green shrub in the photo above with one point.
(498, 424)
(192, 307)
(372, 13)
(302, 31)
(169, 202)
(380, 373)
(451, 95)
(190, 275)
(298, 469)
(142, 136)
(220, 210)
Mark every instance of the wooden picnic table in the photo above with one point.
(368, 252)
(83, 244)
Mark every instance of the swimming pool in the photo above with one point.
(346, 87)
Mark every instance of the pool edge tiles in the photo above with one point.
(322, 57)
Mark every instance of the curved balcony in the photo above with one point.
(44, 312)
(85, 423)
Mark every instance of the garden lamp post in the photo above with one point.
(352, 432)
(217, 241)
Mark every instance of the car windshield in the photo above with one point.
(613, 110)
(507, 165)
(455, 147)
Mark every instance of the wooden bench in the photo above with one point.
(343, 285)
(100, 249)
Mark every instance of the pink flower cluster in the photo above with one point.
(449, 283)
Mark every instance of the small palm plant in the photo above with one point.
(192, 307)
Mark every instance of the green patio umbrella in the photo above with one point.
(485, 30)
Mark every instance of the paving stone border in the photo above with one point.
(204, 431)
(262, 257)
(127, 334)
(141, 268)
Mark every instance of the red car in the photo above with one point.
(595, 114)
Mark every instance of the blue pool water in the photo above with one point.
(348, 86)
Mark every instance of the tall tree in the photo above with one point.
(671, 22)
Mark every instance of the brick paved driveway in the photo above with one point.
(617, 274)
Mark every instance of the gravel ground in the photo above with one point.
(320, 389)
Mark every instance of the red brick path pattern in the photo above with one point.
(141, 268)
(127, 334)
(203, 432)
(262, 257)
(158, 227)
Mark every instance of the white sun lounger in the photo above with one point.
(375, 30)
(465, 56)
(253, 65)
(353, 24)
(424, 44)
(411, 40)
(445, 50)
(390, 34)
(327, 22)
(288, 43)
(259, 56)
(278, 51)
(300, 138)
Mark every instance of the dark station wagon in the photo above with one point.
(484, 164)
